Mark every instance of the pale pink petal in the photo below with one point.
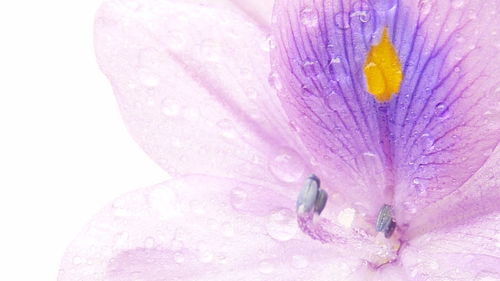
(257, 11)
(206, 228)
(192, 84)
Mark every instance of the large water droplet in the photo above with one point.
(281, 225)
(308, 17)
(342, 20)
(287, 165)
(384, 5)
(362, 11)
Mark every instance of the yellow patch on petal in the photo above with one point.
(383, 70)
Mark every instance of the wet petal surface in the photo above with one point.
(191, 80)
(427, 140)
(204, 228)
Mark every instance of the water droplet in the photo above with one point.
(78, 260)
(287, 165)
(149, 57)
(238, 197)
(197, 207)
(441, 111)
(170, 108)
(281, 225)
(149, 242)
(179, 257)
(309, 67)
(209, 50)
(362, 10)
(425, 6)
(149, 80)
(204, 255)
(227, 128)
(299, 261)
(227, 229)
(410, 207)
(342, 20)
(384, 5)
(274, 81)
(176, 40)
(457, 4)
(265, 267)
(308, 17)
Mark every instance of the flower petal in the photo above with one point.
(192, 85)
(225, 230)
(428, 139)
(467, 252)
(478, 197)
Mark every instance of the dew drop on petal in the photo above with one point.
(362, 11)
(149, 80)
(281, 225)
(287, 165)
(227, 229)
(179, 257)
(441, 111)
(457, 4)
(299, 261)
(342, 20)
(204, 255)
(384, 5)
(274, 81)
(266, 267)
(308, 17)
(238, 197)
(169, 108)
(149, 242)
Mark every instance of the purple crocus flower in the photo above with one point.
(393, 105)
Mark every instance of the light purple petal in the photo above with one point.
(192, 84)
(478, 197)
(206, 228)
(429, 139)
(467, 252)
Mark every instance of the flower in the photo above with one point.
(394, 105)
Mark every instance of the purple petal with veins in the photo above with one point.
(425, 142)
(241, 108)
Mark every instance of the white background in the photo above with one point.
(64, 150)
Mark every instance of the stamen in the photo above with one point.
(385, 223)
(320, 201)
(311, 198)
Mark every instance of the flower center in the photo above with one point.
(377, 242)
